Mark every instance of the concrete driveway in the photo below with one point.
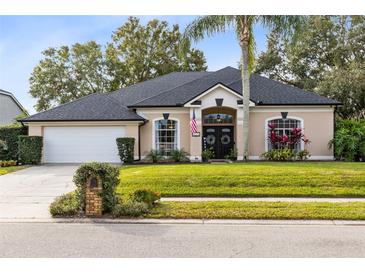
(27, 193)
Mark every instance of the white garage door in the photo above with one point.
(81, 144)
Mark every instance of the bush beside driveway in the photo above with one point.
(253, 179)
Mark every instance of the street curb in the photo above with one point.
(249, 222)
(262, 199)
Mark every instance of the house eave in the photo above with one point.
(7, 93)
(80, 120)
(299, 104)
(154, 106)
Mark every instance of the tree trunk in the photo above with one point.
(245, 74)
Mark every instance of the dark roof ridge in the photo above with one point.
(111, 99)
(156, 78)
(168, 90)
(136, 84)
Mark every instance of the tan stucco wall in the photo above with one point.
(208, 103)
(35, 130)
(318, 128)
(181, 114)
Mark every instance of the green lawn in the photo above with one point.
(259, 210)
(305, 179)
(6, 170)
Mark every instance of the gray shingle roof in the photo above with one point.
(180, 95)
(89, 108)
(264, 91)
(176, 89)
(141, 91)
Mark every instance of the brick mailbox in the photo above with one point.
(93, 199)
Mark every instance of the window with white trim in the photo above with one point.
(281, 128)
(166, 136)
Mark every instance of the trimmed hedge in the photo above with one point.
(126, 149)
(30, 149)
(109, 176)
(10, 135)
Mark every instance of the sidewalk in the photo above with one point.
(261, 199)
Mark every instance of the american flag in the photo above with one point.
(194, 126)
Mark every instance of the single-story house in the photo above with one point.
(159, 113)
(10, 108)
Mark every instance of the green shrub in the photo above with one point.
(8, 163)
(66, 205)
(349, 141)
(109, 176)
(131, 209)
(9, 135)
(126, 149)
(302, 155)
(146, 196)
(208, 154)
(232, 154)
(285, 154)
(30, 149)
(154, 156)
(179, 155)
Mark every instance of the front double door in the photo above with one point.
(220, 139)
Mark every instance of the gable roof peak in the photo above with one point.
(11, 95)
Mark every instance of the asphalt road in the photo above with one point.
(179, 240)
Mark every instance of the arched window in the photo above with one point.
(218, 118)
(166, 135)
(284, 133)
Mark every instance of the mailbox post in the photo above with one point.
(93, 199)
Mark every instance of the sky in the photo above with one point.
(23, 38)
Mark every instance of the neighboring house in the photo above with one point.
(10, 108)
(158, 114)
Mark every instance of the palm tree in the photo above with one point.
(243, 25)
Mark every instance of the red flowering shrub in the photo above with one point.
(277, 141)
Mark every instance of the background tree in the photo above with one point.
(243, 26)
(136, 53)
(68, 73)
(326, 57)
